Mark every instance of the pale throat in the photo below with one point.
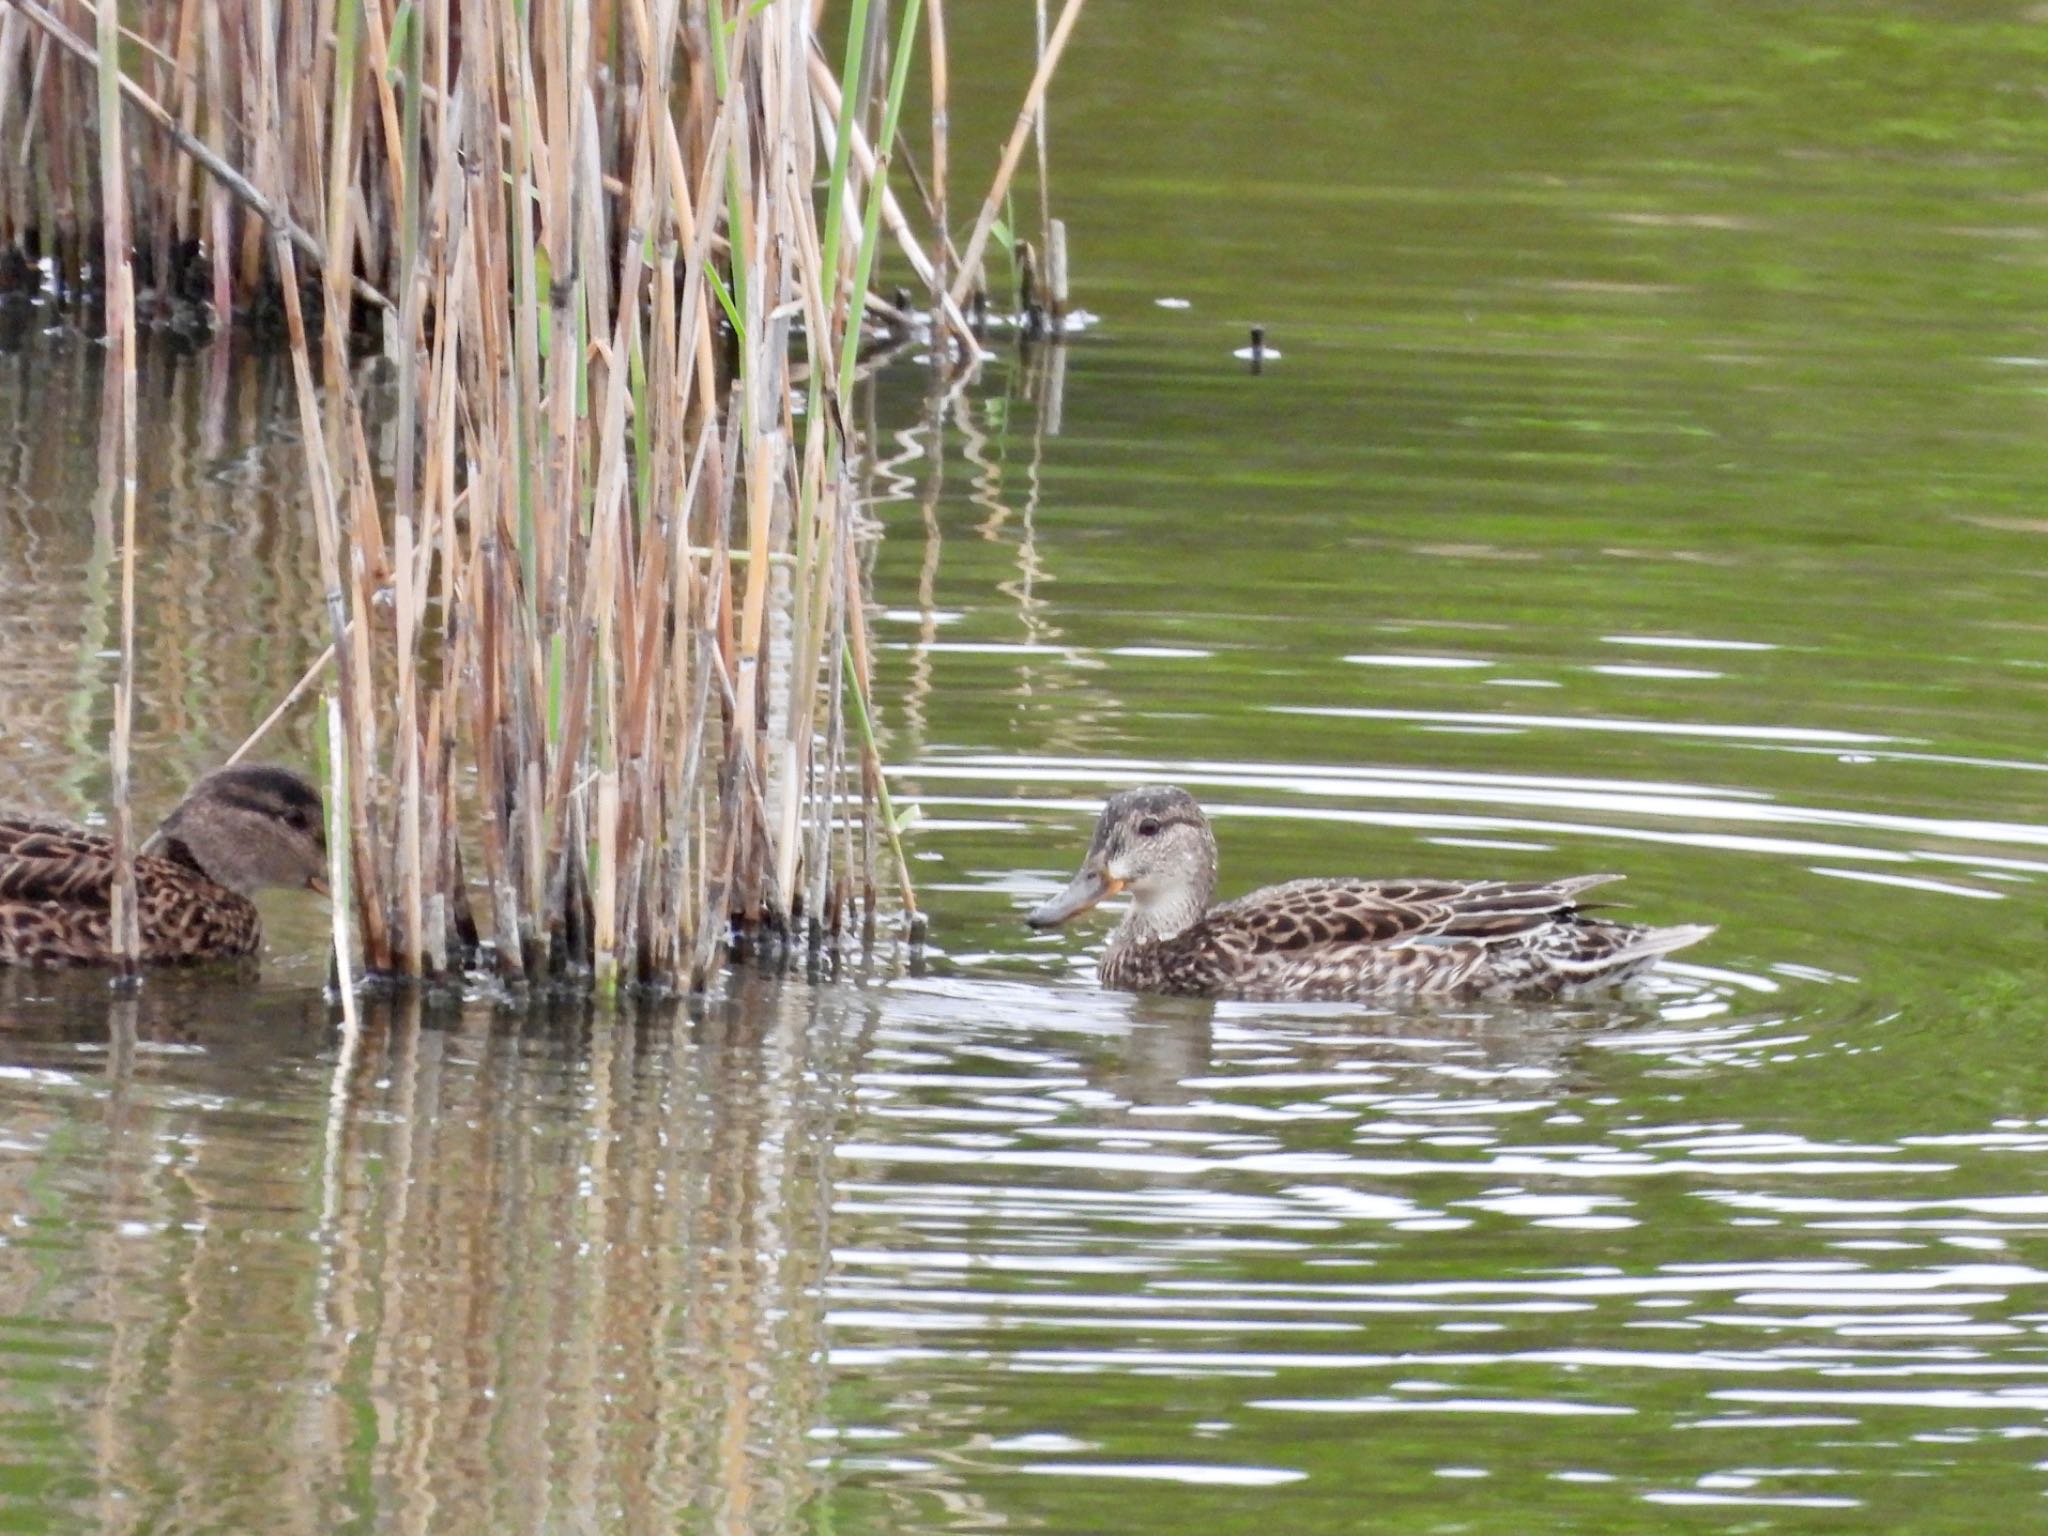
(1159, 910)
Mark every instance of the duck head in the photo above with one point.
(247, 828)
(1153, 842)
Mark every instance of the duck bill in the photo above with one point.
(317, 886)
(1086, 889)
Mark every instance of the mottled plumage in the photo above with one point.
(1440, 940)
(238, 830)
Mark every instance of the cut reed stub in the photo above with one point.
(1056, 273)
(1031, 321)
(1258, 354)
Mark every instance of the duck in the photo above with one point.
(1424, 941)
(237, 831)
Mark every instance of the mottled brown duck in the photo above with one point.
(238, 831)
(1423, 940)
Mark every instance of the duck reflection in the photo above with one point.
(1175, 1047)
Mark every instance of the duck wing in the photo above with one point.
(56, 893)
(1319, 914)
(50, 861)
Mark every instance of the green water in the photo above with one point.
(1649, 481)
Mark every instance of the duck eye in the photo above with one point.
(1149, 827)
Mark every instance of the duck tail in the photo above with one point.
(1612, 952)
(1648, 943)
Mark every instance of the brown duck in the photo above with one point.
(239, 830)
(1426, 940)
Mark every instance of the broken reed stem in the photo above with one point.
(595, 612)
(283, 707)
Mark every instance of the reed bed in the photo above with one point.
(599, 645)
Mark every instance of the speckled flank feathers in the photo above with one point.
(1427, 940)
(1391, 939)
(237, 831)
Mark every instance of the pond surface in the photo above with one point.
(1650, 480)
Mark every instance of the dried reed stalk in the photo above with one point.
(942, 121)
(125, 916)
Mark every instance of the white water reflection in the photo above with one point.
(1908, 882)
(1490, 1406)
(1204, 1474)
(1450, 663)
(1681, 674)
(1685, 643)
(1677, 728)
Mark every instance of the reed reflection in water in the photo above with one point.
(497, 1272)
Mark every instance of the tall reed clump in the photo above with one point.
(597, 624)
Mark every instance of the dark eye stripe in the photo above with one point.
(256, 805)
(274, 792)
